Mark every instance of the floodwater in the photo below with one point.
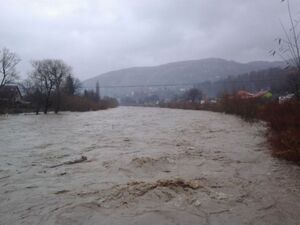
(144, 166)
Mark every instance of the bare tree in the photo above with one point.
(289, 45)
(194, 94)
(289, 48)
(48, 76)
(59, 71)
(32, 90)
(8, 63)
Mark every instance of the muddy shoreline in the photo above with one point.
(142, 166)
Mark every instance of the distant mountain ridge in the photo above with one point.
(182, 72)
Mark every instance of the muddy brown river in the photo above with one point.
(143, 166)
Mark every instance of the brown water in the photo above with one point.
(145, 166)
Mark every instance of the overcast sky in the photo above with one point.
(96, 36)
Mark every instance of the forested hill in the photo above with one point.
(194, 71)
(276, 80)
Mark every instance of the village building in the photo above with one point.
(10, 94)
(247, 95)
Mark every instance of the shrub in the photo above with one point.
(284, 134)
(246, 108)
(81, 104)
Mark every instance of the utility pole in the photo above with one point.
(98, 91)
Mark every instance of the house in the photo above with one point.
(285, 98)
(10, 94)
(263, 94)
(244, 94)
(247, 95)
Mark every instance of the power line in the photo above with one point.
(186, 84)
(146, 85)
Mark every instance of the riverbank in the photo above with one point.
(69, 104)
(283, 120)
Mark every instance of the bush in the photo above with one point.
(248, 109)
(81, 104)
(284, 134)
(282, 116)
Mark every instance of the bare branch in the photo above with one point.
(48, 75)
(289, 46)
(8, 63)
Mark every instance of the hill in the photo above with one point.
(193, 71)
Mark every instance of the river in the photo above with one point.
(144, 166)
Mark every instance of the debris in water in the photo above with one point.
(82, 159)
(61, 192)
(4, 177)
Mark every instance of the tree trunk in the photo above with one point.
(57, 105)
(46, 108)
(46, 103)
(37, 110)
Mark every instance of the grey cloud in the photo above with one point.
(97, 36)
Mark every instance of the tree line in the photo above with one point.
(51, 85)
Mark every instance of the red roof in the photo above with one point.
(245, 94)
